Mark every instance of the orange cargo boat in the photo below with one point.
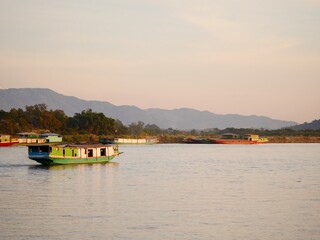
(231, 138)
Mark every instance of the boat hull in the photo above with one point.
(232, 141)
(7, 144)
(64, 161)
(196, 141)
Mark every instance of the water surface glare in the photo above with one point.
(166, 191)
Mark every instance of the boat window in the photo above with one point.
(102, 152)
(90, 152)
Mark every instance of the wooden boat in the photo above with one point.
(72, 153)
(7, 140)
(230, 138)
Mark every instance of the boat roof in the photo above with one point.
(87, 145)
(2, 135)
(28, 133)
(230, 134)
(49, 134)
(39, 145)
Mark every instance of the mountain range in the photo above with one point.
(314, 125)
(182, 119)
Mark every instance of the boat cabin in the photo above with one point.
(29, 137)
(230, 136)
(51, 137)
(5, 138)
(72, 151)
(251, 137)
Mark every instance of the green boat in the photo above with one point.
(72, 153)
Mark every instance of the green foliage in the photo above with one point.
(80, 138)
(136, 129)
(152, 130)
(38, 117)
(167, 138)
(91, 122)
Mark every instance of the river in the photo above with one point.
(166, 191)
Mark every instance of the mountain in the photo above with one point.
(314, 125)
(182, 119)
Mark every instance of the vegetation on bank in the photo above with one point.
(89, 126)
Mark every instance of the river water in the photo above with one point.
(166, 191)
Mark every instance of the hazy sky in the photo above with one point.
(250, 57)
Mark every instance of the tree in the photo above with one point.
(136, 128)
(91, 122)
(152, 129)
(119, 128)
(36, 115)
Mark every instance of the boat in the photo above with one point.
(256, 138)
(231, 138)
(196, 140)
(135, 140)
(148, 140)
(106, 141)
(7, 140)
(47, 154)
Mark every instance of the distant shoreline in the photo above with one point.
(272, 139)
(178, 139)
(295, 139)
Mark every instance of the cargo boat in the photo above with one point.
(72, 153)
(7, 140)
(231, 138)
(196, 140)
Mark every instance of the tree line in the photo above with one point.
(40, 119)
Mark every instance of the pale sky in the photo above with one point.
(248, 57)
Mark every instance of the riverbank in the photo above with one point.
(179, 139)
(272, 139)
(295, 139)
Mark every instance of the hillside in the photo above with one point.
(184, 118)
(314, 125)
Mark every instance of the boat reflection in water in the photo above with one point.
(59, 167)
